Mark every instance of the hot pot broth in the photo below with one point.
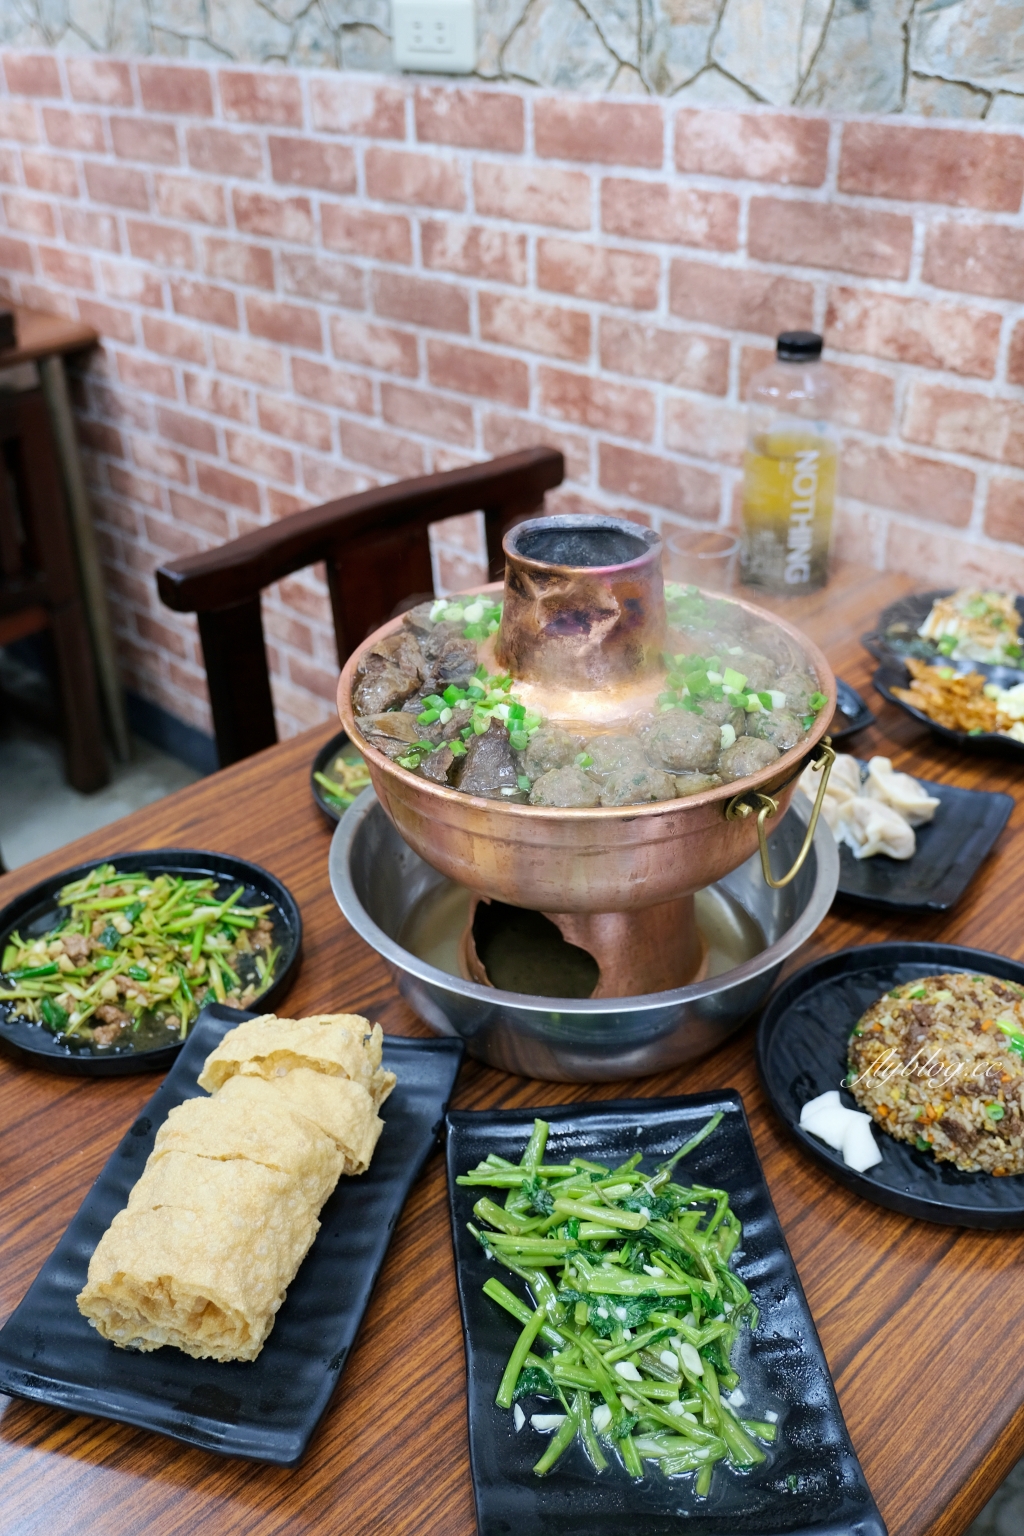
(737, 692)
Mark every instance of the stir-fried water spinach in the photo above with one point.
(632, 1314)
(136, 957)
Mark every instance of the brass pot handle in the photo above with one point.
(740, 808)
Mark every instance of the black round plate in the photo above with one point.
(851, 708)
(801, 1052)
(36, 909)
(893, 674)
(323, 760)
(896, 636)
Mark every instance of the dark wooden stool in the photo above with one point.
(46, 342)
(39, 579)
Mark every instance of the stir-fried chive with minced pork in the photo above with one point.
(136, 957)
(632, 1310)
(346, 778)
(737, 694)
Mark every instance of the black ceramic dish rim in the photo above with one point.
(886, 678)
(859, 720)
(944, 957)
(224, 866)
(327, 753)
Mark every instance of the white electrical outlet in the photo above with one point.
(435, 35)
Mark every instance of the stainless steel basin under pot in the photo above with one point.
(394, 898)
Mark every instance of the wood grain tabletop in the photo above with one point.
(921, 1324)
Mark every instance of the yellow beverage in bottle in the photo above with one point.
(789, 471)
(788, 495)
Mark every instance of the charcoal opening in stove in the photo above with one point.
(524, 951)
(581, 547)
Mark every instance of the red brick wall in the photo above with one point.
(309, 283)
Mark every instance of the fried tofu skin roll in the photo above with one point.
(228, 1203)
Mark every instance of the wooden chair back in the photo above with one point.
(376, 549)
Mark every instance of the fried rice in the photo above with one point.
(940, 1063)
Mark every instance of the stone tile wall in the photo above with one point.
(934, 58)
(308, 283)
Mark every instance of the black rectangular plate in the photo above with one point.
(896, 637)
(811, 1485)
(950, 851)
(268, 1408)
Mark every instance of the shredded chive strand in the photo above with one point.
(630, 1457)
(520, 1311)
(581, 1405)
(534, 1154)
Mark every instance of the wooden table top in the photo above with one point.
(38, 335)
(920, 1323)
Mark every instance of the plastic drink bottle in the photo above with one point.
(789, 471)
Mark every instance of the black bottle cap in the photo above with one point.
(798, 346)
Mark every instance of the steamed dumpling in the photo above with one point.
(876, 816)
(834, 807)
(843, 787)
(900, 791)
(870, 826)
(845, 774)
